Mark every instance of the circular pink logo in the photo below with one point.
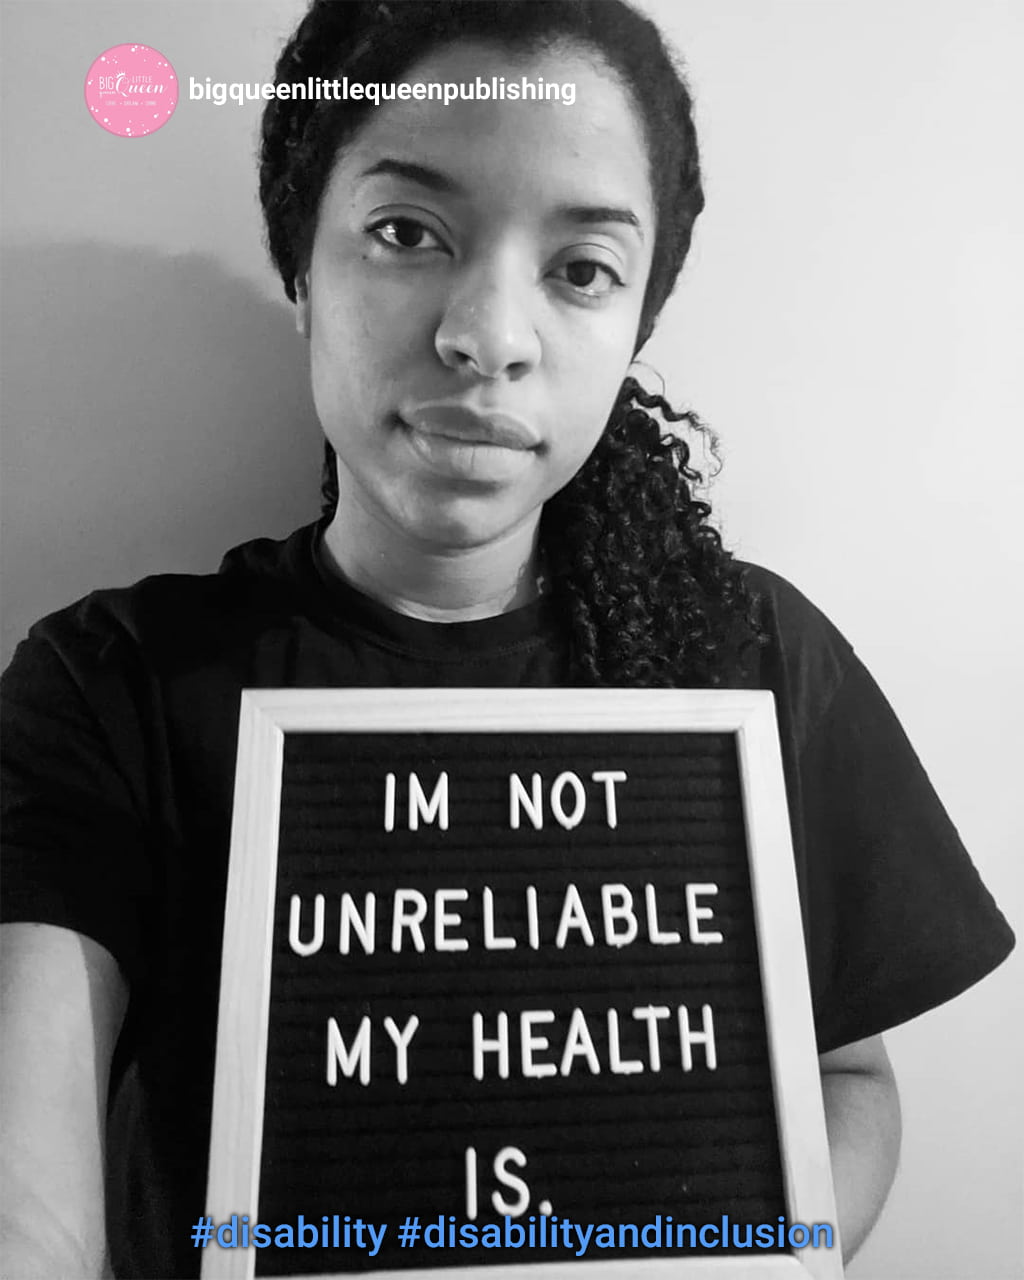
(131, 90)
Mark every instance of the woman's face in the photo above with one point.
(473, 296)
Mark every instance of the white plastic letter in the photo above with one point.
(411, 919)
(513, 1208)
(429, 810)
(491, 941)
(471, 1183)
(609, 777)
(659, 937)
(482, 1046)
(295, 924)
(568, 820)
(532, 803)
(573, 917)
(579, 1042)
(617, 904)
(338, 1054)
(706, 1037)
(652, 1014)
(619, 1066)
(528, 1043)
(389, 802)
(444, 919)
(351, 921)
(695, 914)
(532, 917)
(401, 1040)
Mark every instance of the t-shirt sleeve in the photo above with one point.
(74, 836)
(898, 918)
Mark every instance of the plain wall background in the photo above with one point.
(850, 322)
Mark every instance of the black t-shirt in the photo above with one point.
(119, 738)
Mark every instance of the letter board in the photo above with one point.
(523, 954)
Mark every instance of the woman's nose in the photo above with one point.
(488, 326)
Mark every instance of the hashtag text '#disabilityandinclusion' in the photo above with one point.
(546, 1232)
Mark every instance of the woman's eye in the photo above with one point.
(404, 233)
(594, 279)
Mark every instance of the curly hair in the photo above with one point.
(648, 593)
(649, 596)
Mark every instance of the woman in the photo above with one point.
(474, 279)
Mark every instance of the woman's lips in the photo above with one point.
(461, 444)
(465, 425)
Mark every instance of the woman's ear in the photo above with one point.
(302, 324)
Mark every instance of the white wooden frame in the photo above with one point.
(238, 1104)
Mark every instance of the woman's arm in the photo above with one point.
(63, 1002)
(862, 1112)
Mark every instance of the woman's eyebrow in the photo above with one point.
(433, 179)
(586, 213)
(436, 180)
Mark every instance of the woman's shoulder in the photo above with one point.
(167, 610)
(802, 657)
(787, 614)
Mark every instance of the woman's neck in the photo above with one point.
(439, 584)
